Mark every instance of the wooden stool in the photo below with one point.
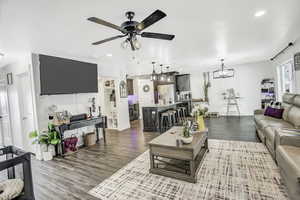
(172, 118)
(179, 115)
(183, 111)
(164, 122)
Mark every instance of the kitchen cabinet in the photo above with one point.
(183, 83)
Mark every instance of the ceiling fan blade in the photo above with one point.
(105, 23)
(151, 19)
(108, 39)
(158, 36)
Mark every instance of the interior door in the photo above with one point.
(5, 129)
(26, 109)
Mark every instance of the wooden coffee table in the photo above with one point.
(171, 158)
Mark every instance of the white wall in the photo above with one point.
(287, 55)
(246, 82)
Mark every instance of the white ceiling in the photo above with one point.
(206, 30)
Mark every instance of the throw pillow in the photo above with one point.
(274, 112)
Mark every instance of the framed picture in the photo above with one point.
(9, 77)
(123, 89)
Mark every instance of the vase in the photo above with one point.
(201, 124)
(44, 147)
(51, 148)
(47, 155)
(187, 140)
(38, 152)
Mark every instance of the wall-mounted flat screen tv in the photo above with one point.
(65, 76)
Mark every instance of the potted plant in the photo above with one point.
(37, 144)
(187, 137)
(47, 142)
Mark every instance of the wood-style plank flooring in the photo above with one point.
(70, 178)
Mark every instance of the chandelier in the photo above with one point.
(223, 72)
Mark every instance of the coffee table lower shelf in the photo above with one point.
(186, 170)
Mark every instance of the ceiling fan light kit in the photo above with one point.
(131, 29)
(223, 72)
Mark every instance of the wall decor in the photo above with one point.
(9, 78)
(123, 89)
(146, 88)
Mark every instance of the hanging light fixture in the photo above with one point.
(223, 72)
(154, 75)
(169, 77)
(162, 76)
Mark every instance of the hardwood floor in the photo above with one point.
(232, 128)
(70, 178)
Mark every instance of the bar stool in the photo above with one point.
(172, 121)
(164, 121)
(184, 114)
(179, 115)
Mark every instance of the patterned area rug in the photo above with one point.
(231, 170)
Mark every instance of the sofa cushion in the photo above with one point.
(265, 121)
(286, 110)
(286, 137)
(288, 159)
(296, 100)
(294, 116)
(288, 98)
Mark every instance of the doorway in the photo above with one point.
(5, 128)
(26, 109)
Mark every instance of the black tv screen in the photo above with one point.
(65, 76)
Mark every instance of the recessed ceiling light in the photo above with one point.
(260, 13)
(109, 55)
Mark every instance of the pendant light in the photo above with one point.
(162, 76)
(223, 72)
(169, 77)
(154, 75)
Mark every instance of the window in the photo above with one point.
(285, 78)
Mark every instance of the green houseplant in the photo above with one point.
(187, 137)
(46, 141)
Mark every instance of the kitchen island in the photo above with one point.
(152, 114)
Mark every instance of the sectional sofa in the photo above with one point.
(282, 139)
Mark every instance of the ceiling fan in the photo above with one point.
(131, 29)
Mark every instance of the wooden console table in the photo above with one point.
(98, 122)
(174, 159)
